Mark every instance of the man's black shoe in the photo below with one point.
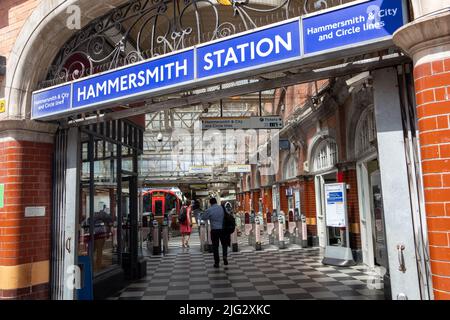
(216, 265)
(225, 261)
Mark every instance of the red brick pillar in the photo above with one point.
(427, 42)
(26, 174)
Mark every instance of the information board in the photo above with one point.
(336, 206)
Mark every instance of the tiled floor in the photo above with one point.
(291, 273)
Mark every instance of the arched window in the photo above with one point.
(290, 168)
(248, 186)
(325, 155)
(366, 133)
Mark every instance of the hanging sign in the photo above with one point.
(239, 168)
(336, 206)
(245, 123)
(200, 169)
(287, 44)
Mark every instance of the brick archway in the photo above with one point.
(41, 37)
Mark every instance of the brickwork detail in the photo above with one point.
(432, 83)
(26, 172)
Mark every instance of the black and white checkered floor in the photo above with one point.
(271, 274)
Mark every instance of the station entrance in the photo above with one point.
(131, 164)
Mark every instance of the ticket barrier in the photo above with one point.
(165, 234)
(234, 241)
(203, 237)
(259, 224)
(270, 229)
(209, 247)
(292, 228)
(302, 238)
(276, 229)
(156, 238)
(247, 227)
(252, 236)
(281, 228)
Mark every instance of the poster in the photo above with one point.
(336, 206)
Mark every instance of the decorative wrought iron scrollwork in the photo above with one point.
(142, 29)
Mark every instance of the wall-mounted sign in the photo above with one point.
(239, 168)
(2, 105)
(357, 24)
(34, 212)
(245, 123)
(2, 195)
(336, 205)
(259, 51)
(200, 169)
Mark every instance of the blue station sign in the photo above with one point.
(357, 24)
(276, 44)
(272, 46)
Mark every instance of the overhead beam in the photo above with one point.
(289, 80)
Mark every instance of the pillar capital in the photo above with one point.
(427, 38)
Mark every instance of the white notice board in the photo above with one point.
(336, 205)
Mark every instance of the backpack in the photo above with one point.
(183, 215)
(229, 223)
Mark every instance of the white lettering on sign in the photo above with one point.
(34, 212)
(247, 51)
(133, 80)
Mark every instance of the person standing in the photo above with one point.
(215, 215)
(185, 224)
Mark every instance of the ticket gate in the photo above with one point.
(209, 247)
(276, 229)
(259, 224)
(156, 238)
(234, 241)
(203, 237)
(165, 234)
(270, 229)
(281, 226)
(292, 228)
(302, 238)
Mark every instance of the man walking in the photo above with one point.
(215, 215)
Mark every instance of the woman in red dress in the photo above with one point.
(186, 227)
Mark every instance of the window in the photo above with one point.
(325, 155)
(366, 133)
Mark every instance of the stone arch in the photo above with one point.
(42, 35)
(361, 101)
